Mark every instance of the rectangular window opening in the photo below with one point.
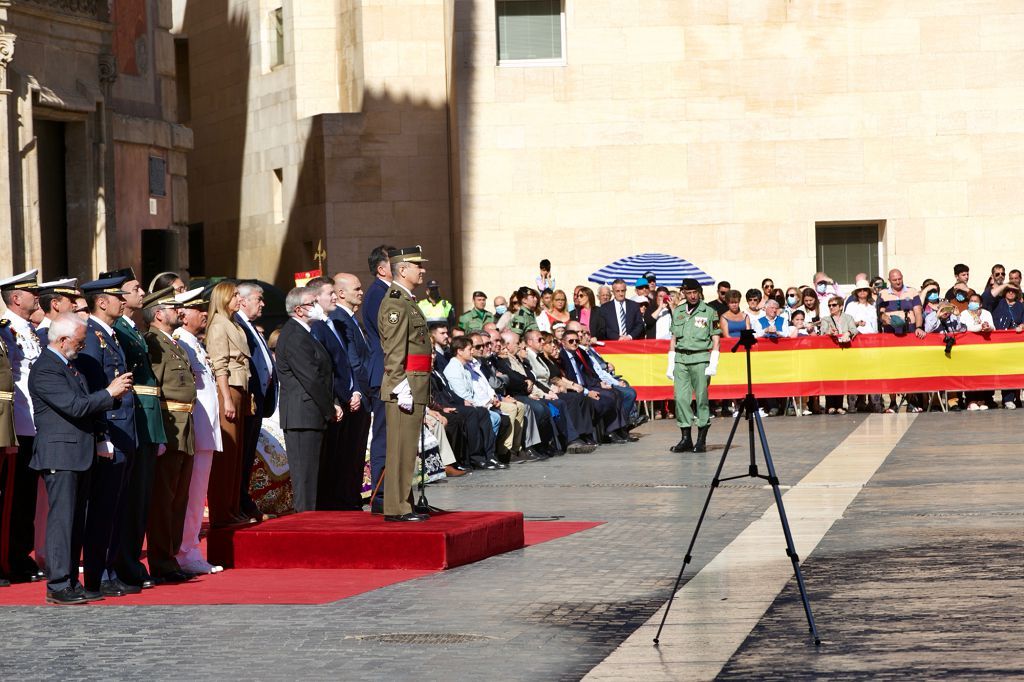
(276, 37)
(844, 249)
(278, 195)
(157, 176)
(531, 32)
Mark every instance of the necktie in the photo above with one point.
(622, 317)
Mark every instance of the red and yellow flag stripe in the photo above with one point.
(811, 365)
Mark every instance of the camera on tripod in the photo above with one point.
(950, 341)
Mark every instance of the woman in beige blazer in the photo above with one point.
(228, 351)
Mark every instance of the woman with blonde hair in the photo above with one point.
(228, 350)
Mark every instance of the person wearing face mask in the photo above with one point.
(825, 288)
(340, 478)
(976, 319)
(308, 402)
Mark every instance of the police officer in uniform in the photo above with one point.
(173, 373)
(405, 387)
(524, 320)
(695, 336)
(435, 308)
(474, 319)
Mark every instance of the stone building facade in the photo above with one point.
(92, 170)
(752, 137)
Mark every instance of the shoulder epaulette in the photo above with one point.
(4, 322)
(395, 293)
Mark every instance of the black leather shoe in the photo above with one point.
(110, 588)
(65, 597)
(175, 577)
(411, 516)
(93, 595)
(149, 583)
(617, 439)
(579, 447)
(641, 421)
(37, 576)
(489, 465)
(498, 465)
(123, 586)
(4, 582)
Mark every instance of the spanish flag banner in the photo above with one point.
(817, 365)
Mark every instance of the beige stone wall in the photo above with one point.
(722, 131)
(356, 118)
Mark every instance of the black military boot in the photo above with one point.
(686, 443)
(702, 439)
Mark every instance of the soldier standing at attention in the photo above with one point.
(149, 426)
(405, 387)
(695, 333)
(173, 373)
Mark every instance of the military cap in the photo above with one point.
(163, 297)
(127, 273)
(193, 298)
(410, 254)
(690, 284)
(60, 287)
(26, 281)
(105, 285)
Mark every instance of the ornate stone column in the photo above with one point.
(6, 55)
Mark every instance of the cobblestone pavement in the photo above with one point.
(930, 550)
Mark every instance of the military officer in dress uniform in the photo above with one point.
(405, 387)
(17, 514)
(173, 373)
(55, 298)
(695, 333)
(100, 361)
(149, 426)
(8, 443)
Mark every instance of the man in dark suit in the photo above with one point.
(307, 396)
(380, 268)
(622, 318)
(337, 464)
(262, 387)
(577, 367)
(70, 424)
(101, 360)
(355, 425)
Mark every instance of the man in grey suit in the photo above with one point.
(71, 433)
(307, 405)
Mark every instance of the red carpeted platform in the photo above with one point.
(361, 540)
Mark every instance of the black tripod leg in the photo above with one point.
(773, 480)
(700, 520)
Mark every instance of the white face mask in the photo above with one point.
(317, 312)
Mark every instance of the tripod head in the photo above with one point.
(747, 340)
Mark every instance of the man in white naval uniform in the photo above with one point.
(21, 297)
(206, 425)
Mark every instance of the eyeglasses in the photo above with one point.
(480, 346)
(833, 305)
(571, 342)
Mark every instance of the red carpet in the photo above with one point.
(361, 540)
(275, 586)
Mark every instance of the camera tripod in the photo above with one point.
(749, 411)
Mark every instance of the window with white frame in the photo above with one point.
(531, 32)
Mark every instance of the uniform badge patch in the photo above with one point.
(393, 317)
(701, 322)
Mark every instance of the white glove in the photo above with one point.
(105, 449)
(404, 395)
(161, 448)
(712, 368)
(671, 369)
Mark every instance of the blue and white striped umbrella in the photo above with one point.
(669, 270)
